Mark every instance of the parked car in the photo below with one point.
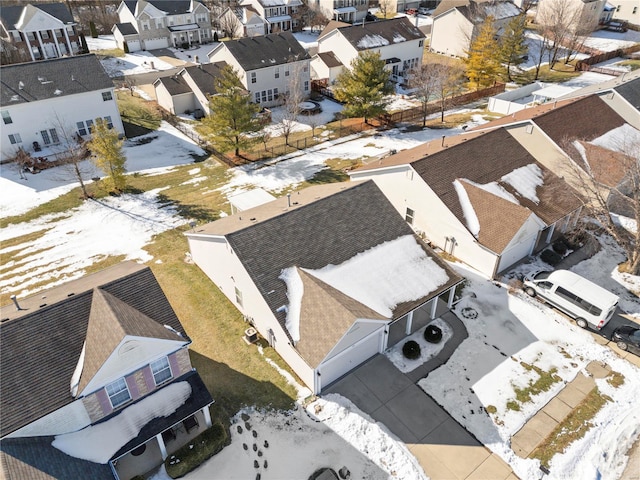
(411, 11)
(627, 338)
(586, 302)
(370, 17)
(424, 11)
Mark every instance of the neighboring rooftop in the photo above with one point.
(379, 34)
(204, 75)
(34, 81)
(126, 28)
(330, 59)
(477, 12)
(173, 7)
(13, 17)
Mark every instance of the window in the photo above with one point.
(264, 95)
(145, 26)
(6, 117)
(54, 136)
(16, 36)
(275, 93)
(89, 124)
(15, 138)
(239, 293)
(253, 77)
(45, 35)
(270, 95)
(161, 370)
(45, 137)
(31, 36)
(106, 96)
(409, 216)
(421, 43)
(277, 72)
(635, 10)
(109, 122)
(257, 97)
(306, 85)
(118, 392)
(81, 130)
(305, 68)
(580, 302)
(59, 33)
(286, 71)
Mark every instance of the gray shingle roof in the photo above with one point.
(29, 387)
(330, 59)
(205, 74)
(329, 230)
(10, 15)
(266, 51)
(126, 28)
(385, 32)
(630, 91)
(173, 7)
(175, 85)
(477, 12)
(34, 81)
(485, 159)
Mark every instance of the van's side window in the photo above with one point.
(580, 302)
(545, 285)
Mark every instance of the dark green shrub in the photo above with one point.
(215, 37)
(433, 334)
(411, 350)
(93, 30)
(559, 247)
(196, 451)
(550, 257)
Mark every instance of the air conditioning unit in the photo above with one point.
(251, 335)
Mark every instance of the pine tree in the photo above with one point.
(364, 86)
(483, 63)
(108, 156)
(233, 116)
(513, 45)
(93, 29)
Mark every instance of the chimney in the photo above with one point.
(442, 145)
(289, 199)
(15, 302)
(20, 85)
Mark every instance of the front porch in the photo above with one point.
(188, 34)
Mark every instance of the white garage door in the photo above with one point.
(332, 369)
(515, 253)
(156, 43)
(133, 45)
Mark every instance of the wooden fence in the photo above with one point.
(585, 65)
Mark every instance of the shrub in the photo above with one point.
(196, 451)
(576, 239)
(433, 334)
(559, 247)
(550, 257)
(411, 350)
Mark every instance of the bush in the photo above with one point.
(433, 334)
(550, 257)
(560, 247)
(576, 239)
(196, 451)
(411, 350)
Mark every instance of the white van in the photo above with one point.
(576, 296)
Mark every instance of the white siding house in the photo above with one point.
(45, 101)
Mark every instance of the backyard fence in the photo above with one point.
(585, 65)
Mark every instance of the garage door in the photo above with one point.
(332, 369)
(134, 45)
(515, 253)
(155, 43)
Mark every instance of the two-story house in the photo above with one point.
(153, 24)
(626, 11)
(454, 29)
(279, 14)
(349, 11)
(46, 104)
(96, 379)
(37, 32)
(266, 65)
(582, 16)
(399, 42)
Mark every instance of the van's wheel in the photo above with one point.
(622, 346)
(530, 291)
(582, 323)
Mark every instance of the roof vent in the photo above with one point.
(57, 92)
(15, 302)
(20, 85)
(73, 78)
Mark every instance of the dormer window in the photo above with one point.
(161, 370)
(118, 392)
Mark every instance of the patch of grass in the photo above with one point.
(60, 204)
(615, 379)
(542, 384)
(109, 52)
(491, 409)
(513, 405)
(15, 241)
(571, 428)
(634, 64)
(137, 111)
(560, 73)
(196, 451)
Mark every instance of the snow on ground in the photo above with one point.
(607, 41)
(307, 39)
(303, 122)
(509, 331)
(168, 148)
(427, 350)
(189, 55)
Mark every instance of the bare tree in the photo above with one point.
(9, 53)
(293, 97)
(610, 183)
(72, 159)
(424, 81)
(229, 23)
(386, 7)
(538, 47)
(450, 79)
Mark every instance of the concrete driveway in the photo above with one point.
(445, 450)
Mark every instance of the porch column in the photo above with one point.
(66, 37)
(407, 328)
(163, 448)
(434, 308)
(207, 416)
(55, 40)
(44, 54)
(452, 293)
(199, 36)
(551, 230)
(26, 37)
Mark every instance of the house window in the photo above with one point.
(54, 136)
(109, 122)
(6, 117)
(31, 36)
(49, 137)
(82, 131)
(106, 96)
(161, 370)
(15, 138)
(409, 216)
(59, 33)
(118, 392)
(45, 35)
(286, 71)
(145, 26)
(306, 85)
(239, 293)
(421, 43)
(257, 97)
(16, 36)
(253, 77)
(277, 72)
(275, 93)
(89, 124)
(264, 95)
(635, 10)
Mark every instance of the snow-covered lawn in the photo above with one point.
(607, 41)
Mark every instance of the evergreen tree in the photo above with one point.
(233, 116)
(513, 45)
(364, 86)
(108, 156)
(93, 29)
(483, 63)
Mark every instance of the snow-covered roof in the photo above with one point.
(624, 139)
(247, 199)
(553, 91)
(379, 34)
